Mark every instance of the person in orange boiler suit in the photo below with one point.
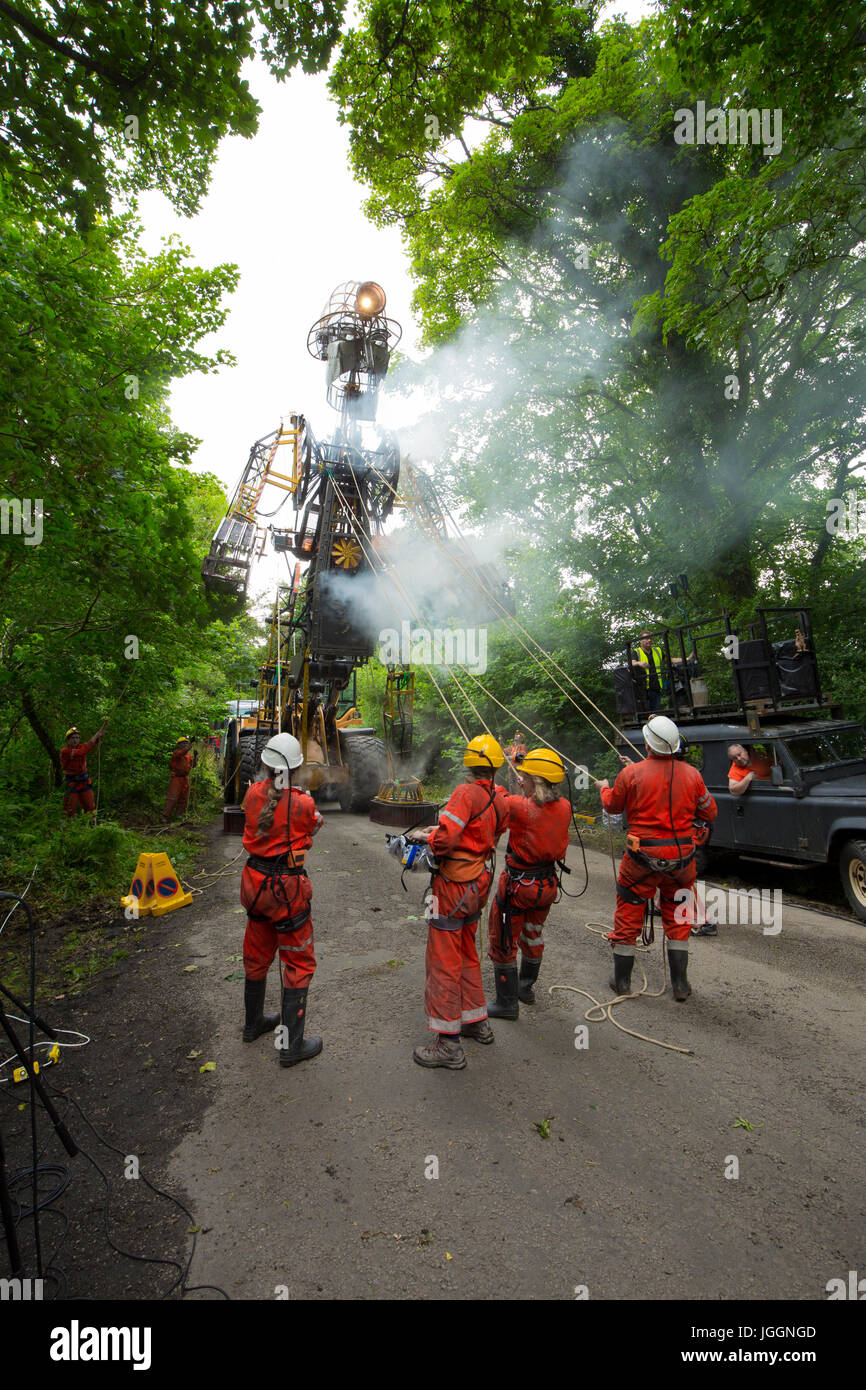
(73, 760)
(180, 763)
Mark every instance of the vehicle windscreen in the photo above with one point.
(828, 749)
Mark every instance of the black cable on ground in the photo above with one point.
(180, 1281)
(62, 1172)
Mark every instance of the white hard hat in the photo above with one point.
(661, 735)
(281, 750)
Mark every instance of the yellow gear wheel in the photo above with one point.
(346, 554)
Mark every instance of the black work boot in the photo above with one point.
(294, 1013)
(528, 975)
(678, 962)
(506, 1005)
(620, 980)
(256, 1021)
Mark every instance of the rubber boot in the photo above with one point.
(528, 975)
(620, 980)
(506, 1005)
(678, 963)
(256, 1021)
(294, 1014)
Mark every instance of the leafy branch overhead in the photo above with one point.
(638, 342)
(75, 72)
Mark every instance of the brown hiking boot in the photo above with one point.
(480, 1031)
(441, 1053)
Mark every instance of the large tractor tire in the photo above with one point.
(368, 768)
(251, 745)
(230, 757)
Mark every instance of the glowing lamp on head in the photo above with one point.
(370, 299)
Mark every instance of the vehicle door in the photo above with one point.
(830, 764)
(767, 816)
(712, 762)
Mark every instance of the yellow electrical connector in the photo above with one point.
(52, 1056)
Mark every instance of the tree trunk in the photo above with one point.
(825, 536)
(734, 576)
(42, 734)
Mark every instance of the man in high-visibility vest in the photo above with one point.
(650, 658)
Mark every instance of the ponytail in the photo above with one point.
(544, 793)
(268, 811)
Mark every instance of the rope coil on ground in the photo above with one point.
(601, 1009)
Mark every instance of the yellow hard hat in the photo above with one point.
(483, 751)
(73, 730)
(184, 738)
(543, 762)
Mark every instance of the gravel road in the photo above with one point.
(362, 1175)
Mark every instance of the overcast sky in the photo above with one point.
(284, 208)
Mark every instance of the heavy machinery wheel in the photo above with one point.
(852, 871)
(251, 746)
(368, 768)
(229, 761)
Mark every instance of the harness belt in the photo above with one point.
(271, 865)
(516, 868)
(78, 782)
(454, 923)
(274, 868)
(628, 895)
(660, 866)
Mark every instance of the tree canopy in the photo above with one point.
(645, 352)
(103, 97)
(648, 354)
